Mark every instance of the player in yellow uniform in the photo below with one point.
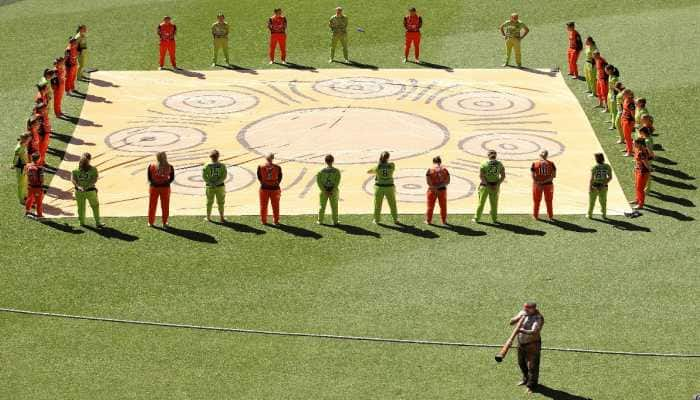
(219, 31)
(513, 31)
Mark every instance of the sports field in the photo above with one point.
(621, 284)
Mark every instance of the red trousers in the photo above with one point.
(43, 149)
(167, 46)
(164, 194)
(640, 183)
(270, 196)
(71, 75)
(602, 90)
(35, 195)
(537, 191)
(573, 62)
(627, 129)
(275, 39)
(441, 197)
(58, 100)
(412, 38)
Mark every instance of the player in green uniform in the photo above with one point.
(601, 175)
(219, 30)
(20, 159)
(640, 110)
(384, 187)
(84, 178)
(328, 180)
(339, 30)
(619, 88)
(214, 175)
(513, 31)
(613, 78)
(81, 37)
(589, 70)
(492, 173)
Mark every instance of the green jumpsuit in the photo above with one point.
(339, 31)
(21, 158)
(612, 98)
(589, 70)
(492, 170)
(85, 191)
(600, 174)
(513, 37)
(214, 175)
(82, 53)
(219, 31)
(384, 187)
(328, 180)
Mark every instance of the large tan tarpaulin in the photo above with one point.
(301, 115)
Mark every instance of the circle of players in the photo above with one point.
(627, 114)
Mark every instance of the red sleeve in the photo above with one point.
(285, 23)
(420, 22)
(405, 22)
(148, 173)
(259, 174)
(279, 180)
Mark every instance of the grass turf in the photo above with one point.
(625, 285)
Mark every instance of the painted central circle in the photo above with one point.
(354, 135)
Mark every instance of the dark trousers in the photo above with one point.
(529, 362)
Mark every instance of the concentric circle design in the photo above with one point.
(354, 135)
(484, 103)
(359, 87)
(152, 139)
(190, 182)
(211, 102)
(411, 186)
(511, 146)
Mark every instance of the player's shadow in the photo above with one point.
(239, 68)
(460, 230)
(297, 231)
(57, 193)
(238, 227)
(551, 74)
(568, 226)
(357, 64)
(188, 73)
(101, 83)
(77, 94)
(63, 227)
(356, 230)
(623, 225)
(112, 233)
(664, 160)
(668, 213)
(97, 99)
(672, 183)
(188, 234)
(411, 230)
(557, 394)
(427, 64)
(671, 199)
(296, 66)
(517, 229)
(673, 172)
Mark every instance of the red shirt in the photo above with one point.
(277, 24)
(35, 175)
(412, 23)
(543, 171)
(438, 176)
(640, 156)
(158, 178)
(270, 176)
(628, 109)
(73, 51)
(600, 64)
(574, 38)
(167, 31)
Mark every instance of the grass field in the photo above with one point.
(626, 284)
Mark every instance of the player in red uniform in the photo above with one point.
(33, 127)
(270, 176)
(277, 24)
(412, 23)
(160, 175)
(627, 120)
(58, 84)
(642, 171)
(35, 187)
(166, 32)
(575, 47)
(543, 174)
(602, 80)
(41, 133)
(71, 60)
(437, 178)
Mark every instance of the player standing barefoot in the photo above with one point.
(589, 67)
(270, 177)
(601, 175)
(384, 187)
(437, 178)
(328, 180)
(613, 79)
(513, 31)
(492, 173)
(543, 174)
(58, 85)
(35, 187)
(219, 30)
(84, 178)
(575, 47)
(627, 120)
(277, 24)
(160, 175)
(214, 175)
(412, 23)
(71, 58)
(642, 172)
(20, 159)
(166, 32)
(81, 38)
(339, 33)
(529, 344)
(602, 80)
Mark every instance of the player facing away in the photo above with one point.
(645, 133)
(627, 121)
(277, 24)
(513, 31)
(619, 88)
(642, 172)
(413, 24)
(43, 131)
(81, 38)
(328, 181)
(384, 187)
(35, 187)
(575, 47)
(589, 67)
(339, 33)
(601, 175)
(71, 58)
(543, 173)
(58, 85)
(613, 78)
(166, 31)
(602, 80)
(437, 178)
(214, 175)
(20, 159)
(84, 178)
(160, 175)
(529, 344)
(270, 177)
(640, 110)
(491, 173)
(219, 32)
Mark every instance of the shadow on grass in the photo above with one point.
(411, 230)
(671, 199)
(664, 160)
(240, 227)
(239, 68)
(300, 67)
(556, 394)
(568, 226)
(623, 225)
(520, 230)
(356, 64)
(189, 74)
(356, 230)
(673, 172)
(188, 234)
(460, 230)
(427, 64)
(672, 183)
(63, 227)
(112, 233)
(668, 213)
(297, 231)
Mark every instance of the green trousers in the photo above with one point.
(602, 195)
(323, 201)
(220, 44)
(343, 39)
(91, 198)
(218, 193)
(590, 73)
(390, 193)
(490, 192)
(513, 44)
(82, 62)
(21, 185)
(613, 109)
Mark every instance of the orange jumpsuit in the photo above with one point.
(71, 68)
(58, 84)
(627, 121)
(270, 176)
(44, 131)
(438, 177)
(575, 46)
(542, 175)
(641, 174)
(166, 32)
(159, 188)
(35, 188)
(278, 36)
(412, 23)
(602, 82)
